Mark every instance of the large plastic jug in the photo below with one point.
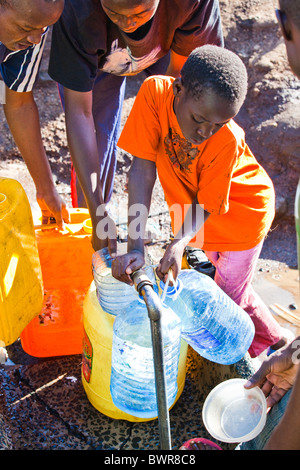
(21, 287)
(112, 294)
(132, 383)
(212, 324)
(66, 258)
(97, 359)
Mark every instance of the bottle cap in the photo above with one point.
(173, 290)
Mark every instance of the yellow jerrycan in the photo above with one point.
(96, 359)
(21, 286)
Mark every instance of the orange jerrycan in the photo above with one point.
(97, 347)
(21, 287)
(66, 260)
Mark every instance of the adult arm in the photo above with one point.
(23, 119)
(286, 435)
(175, 65)
(82, 142)
(277, 373)
(141, 179)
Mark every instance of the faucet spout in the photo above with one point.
(144, 287)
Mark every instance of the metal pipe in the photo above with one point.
(145, 288)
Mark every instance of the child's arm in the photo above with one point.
(194, 220)
(142, 176)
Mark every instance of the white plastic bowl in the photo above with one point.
(233, 414)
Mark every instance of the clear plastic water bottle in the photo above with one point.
(212, 323)
(113, 295)
(132, 383)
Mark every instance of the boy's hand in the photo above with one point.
(123, 266)
(171, 259)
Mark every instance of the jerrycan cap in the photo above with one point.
(87, 226)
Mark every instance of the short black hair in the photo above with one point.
(292, 10)
(217, 69)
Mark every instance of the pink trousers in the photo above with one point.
(234, 274)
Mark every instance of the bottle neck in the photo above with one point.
(172, 291)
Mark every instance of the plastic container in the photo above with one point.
(97, 359)
(21, 287)
(132, 383)
(233, 414)
(112, 294)
(212, 324)
(66, 258)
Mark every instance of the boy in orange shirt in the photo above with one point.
(220, 198)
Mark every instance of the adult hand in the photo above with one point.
(277, 373)
(52, 205)
(123, 266)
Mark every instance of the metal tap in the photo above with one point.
(145, 288)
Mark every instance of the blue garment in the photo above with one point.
(19, 69)
(89, 52)
(2, 52)
(108, 97)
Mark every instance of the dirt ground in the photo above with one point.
(270, 117)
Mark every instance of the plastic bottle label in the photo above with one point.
(87, 357)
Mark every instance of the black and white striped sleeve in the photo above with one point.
(19, 69)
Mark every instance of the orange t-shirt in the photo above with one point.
(222, 172)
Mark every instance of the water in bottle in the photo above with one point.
(132, 383)
(212, 323)
(114, 295)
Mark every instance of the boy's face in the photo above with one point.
(129, 15)
(202, 118)
(23, 26)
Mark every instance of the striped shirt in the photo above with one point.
(19, 69)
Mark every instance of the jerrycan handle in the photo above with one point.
(86, 226)
(45, 226)
(51, 227)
